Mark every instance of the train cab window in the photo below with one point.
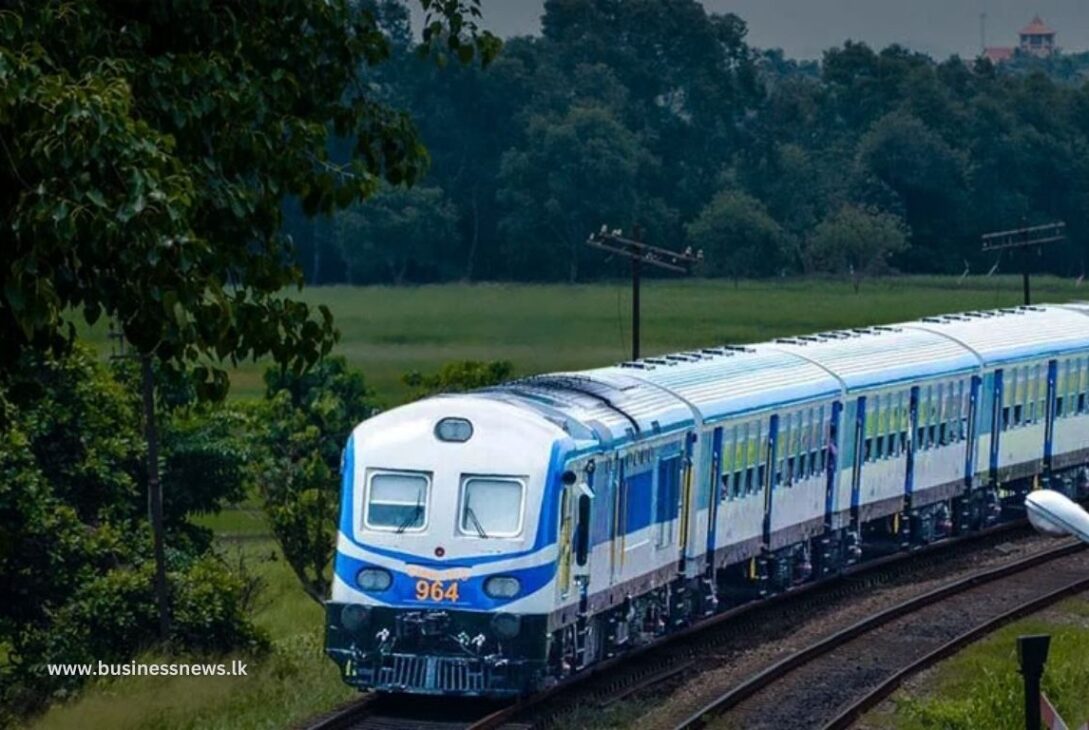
(491, 506)
(397, 501)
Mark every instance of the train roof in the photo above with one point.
(1001, 336)
(659, 394)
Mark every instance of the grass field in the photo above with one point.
(387, 331)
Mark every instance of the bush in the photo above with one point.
(459, 376)
(75, 548)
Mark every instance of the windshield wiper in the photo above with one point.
(476, 523)
(414, 515)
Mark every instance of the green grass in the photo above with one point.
(389, 331)
(980, 687)
(292, 682)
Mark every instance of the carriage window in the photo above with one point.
(762, 454)
(491, 507)
(397, 501)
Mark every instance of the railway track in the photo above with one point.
(677, 657)
(390, 712)
(830, 683)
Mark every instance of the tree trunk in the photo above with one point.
(155, 497)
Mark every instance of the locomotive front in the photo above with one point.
(446, 549)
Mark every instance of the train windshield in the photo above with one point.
(491, 506)
(397, 501)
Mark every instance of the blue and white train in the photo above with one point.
(495, 542)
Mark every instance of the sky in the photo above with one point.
(804, 28)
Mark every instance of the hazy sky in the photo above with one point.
(803, 28)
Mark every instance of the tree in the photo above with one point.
(397, 236)
(301, 429)
(856, 241)
(459, 376)
(926, 175)
(578, 172)
(154, 142)
(75, 551)
(738, 237)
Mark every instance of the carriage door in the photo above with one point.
(565, 538)
(859, 460)
(686, 497)
(1049, 413)
(616, 530)
(716, 492)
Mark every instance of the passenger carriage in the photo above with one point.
(495, 542)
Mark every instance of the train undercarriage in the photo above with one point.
(642, 619)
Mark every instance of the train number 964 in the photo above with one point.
(436, 590)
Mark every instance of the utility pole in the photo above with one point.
(642, 253)
(154, 485)
(1032, 656)
(1024, 239)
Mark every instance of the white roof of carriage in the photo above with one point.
(669, 392)
(719, 382)
(881, 356)
(1011, 334)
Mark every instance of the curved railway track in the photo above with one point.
(829, 684)
(676, 657)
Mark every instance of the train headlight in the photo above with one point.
(374, 580)
(506, 625)
(502, 586)
(457, 430)
(353, 617)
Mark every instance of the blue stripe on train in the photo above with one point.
(470, 592)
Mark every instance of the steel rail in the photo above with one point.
(772, 674)
(874, 697)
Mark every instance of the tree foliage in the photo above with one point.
(154, 142)
(857, 242)
(644, 111)
(300, 430)
(397, 235)
(75, 550)
(459, 376)
(738, 238)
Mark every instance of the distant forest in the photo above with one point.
(654, 112)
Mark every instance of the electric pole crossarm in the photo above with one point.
(1024, 238)
(641, 253)
(1021, 237)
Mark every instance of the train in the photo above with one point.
(497, 542)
